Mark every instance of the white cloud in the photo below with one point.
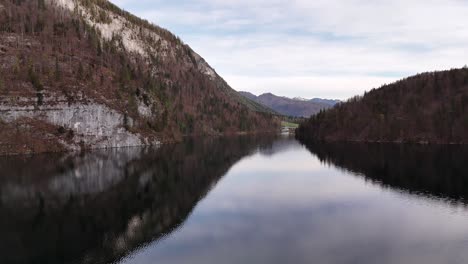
(326, 48)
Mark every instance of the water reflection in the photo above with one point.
(100, 206)
(287, 206)
(273, 202)
(433, 171)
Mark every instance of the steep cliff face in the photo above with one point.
(84, 123)
(84, 74)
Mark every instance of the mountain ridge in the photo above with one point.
(294, 107)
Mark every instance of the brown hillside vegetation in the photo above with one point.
(51, 56)
(426, 108)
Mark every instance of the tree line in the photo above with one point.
(427, 108)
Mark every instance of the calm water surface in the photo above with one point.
(238, 200)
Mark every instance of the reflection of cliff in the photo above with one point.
(436, 171)
(100, 206)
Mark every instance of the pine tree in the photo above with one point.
(41, 4)
(80, 71)
(34, 79)
(58, 73)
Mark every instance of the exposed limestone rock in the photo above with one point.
(93, 125)
(144, 110)
(203, 67)
(131, 36)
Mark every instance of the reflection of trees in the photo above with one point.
(281, 144)
(98, 207)
(436, 171)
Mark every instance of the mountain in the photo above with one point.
(297, 107)
(80, 74)
(248, 95)
(325, 101)
(426, 108)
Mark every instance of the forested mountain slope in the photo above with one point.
(429, 107)
(86, 74)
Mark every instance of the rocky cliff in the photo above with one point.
(80, 74)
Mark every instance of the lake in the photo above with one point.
(250, 199)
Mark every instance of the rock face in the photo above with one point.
(93, 125)
(85, 74)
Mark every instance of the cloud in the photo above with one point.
(331, 48)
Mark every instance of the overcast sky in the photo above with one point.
(316, 48)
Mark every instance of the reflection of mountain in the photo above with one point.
(435, 171)
(98, 207)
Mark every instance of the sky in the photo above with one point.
(316, 48)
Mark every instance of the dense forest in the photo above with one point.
(426, 108)
(159, 84)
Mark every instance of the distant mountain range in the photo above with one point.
(297, 107)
